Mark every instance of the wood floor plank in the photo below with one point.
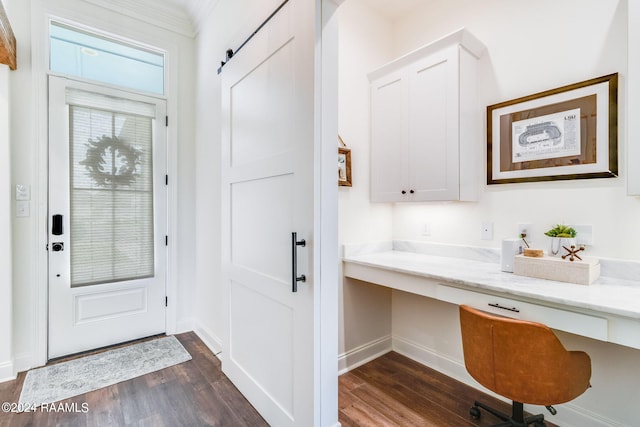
(193, 393)
(394, 410)
(362, 414)
(389, 391)
(395, 390)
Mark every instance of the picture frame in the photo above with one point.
(570, 132)
(344, 165)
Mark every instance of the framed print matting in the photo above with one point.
(566, 133)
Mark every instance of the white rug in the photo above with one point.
(67, 379)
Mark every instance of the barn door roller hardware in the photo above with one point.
(230, 53)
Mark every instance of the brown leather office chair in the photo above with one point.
(522, 361)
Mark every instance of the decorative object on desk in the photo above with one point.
(566, 133)
(344, 164)
(528, 251)
(561, 235)
(534, 253)
(572, 253)
(582, 272)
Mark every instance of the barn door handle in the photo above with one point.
(294, 262)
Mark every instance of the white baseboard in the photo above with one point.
(363, 354)
(432, 359)
(569, 414)
(211, 340)
(24, 362)
(6, 371)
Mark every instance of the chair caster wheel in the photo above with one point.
(475, 413)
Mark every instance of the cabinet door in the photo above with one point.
(433, 156)
(388, 138)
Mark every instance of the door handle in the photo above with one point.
(294, 262)
(56, 225)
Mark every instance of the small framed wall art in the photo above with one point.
(566, 133)
(344, 164)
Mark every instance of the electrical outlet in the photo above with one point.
(584, 234)
(525, 228)
(486, 231)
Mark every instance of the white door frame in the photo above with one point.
(326, 254)
(170, 288)
(41, 14)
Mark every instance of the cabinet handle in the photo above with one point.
(496, 305)
(404, 192)
(294, 262)
(411, 191)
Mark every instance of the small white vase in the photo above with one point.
(557, 243)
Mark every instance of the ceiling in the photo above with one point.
(394, 8)
(185, 16)
(181, 16)
(196, 10)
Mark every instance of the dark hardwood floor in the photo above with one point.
(394, 390)
(193, 393)
(389, 391)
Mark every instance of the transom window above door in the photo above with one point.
(95, 57)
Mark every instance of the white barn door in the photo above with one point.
(268, 194)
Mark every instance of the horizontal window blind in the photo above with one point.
(111, 189)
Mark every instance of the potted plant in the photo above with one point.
(561, 235)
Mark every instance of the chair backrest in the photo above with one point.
(521, 360)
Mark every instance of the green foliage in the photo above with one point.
(112, 162)
(561, 231)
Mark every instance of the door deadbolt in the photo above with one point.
(57, 246)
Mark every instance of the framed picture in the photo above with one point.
(344, 166)
(566, 133)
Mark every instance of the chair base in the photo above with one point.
(516, 419)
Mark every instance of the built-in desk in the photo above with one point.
(607, 310)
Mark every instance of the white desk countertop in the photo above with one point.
(608, 295)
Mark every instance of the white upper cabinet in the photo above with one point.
(426, 130)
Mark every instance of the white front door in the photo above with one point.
(268, 194)
(107, 216)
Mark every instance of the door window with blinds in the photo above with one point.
(111, 188)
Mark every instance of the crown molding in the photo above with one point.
(199, 11)
(159, 13)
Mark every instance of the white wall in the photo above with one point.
(28, 161)
(521, 59)
(366, 310)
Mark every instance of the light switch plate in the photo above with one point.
(486, 232)
(584, 234)
(23, 192)
(22, 209)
